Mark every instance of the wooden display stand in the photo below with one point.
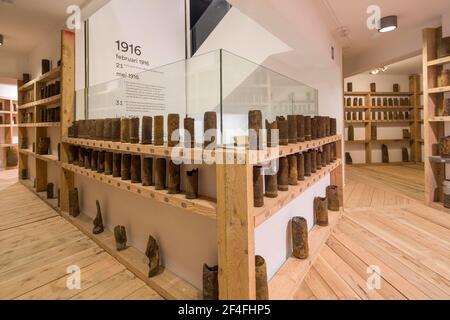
(369, 122)
(234, 212)
(8, 114)
(434, 123)
(32, 124)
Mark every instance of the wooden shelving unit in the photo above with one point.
(434, 122)
(368, 108)
(8, 123)
(34, 104)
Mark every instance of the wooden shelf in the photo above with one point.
(288, 278)
(47, 77)
(439, 62)
(8, 125)
(274, 205)
(357, 142)
(439, 159)
(165, 151)
(357, 121)
(392, 121)
(407, 108)
(349, 109)
(439, 90)
(40, 125)
(392, 140)
(439, 119)
(166, 283)
(47, 158)
(43, 102)
(202, 206)
(7, 145)
(376, 94)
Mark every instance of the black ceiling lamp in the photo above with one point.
(1, 39)
(388, 24)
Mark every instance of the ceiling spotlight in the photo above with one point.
(379, 70)
(388, 24)
(1, 39)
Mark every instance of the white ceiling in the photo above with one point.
(406, 67)
(352, 14)
(25, 23)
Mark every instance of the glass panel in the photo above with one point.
(248, 86)
(192, 87)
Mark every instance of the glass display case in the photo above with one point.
(218, 81)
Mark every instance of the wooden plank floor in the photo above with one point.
(37, 246)
(385, 227)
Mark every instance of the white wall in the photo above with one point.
(12, 65)
(8, 89)
(49, 49)
(295, 43)
(384, 82)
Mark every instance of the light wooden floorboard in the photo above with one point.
(384, 225)
(37, 246)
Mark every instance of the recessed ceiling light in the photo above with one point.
(388, 24)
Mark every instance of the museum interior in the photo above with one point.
(224, 150)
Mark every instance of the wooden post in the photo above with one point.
(67, 109)
(235, 232)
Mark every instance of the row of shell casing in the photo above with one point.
(161, 173)
(291, 169)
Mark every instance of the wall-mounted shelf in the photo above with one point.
(43, 102)
(47, 77)
(40, 125)
(47, 158)
(378, 94)
(8, 113)
(439, 119)
(439, 90)
(439, 62)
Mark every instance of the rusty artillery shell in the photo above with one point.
(321, 211)
(272, 134)
(74, 206)
(307, 158)
(117, 165)
(75, 154)
(292, 129)
(384, 154)
(135, 168)
(210, 129)
(108, 163)
(283, 131)
(101, 162)
(373, 87)
(125, 168)
(314, 128)
(159, 131)
(43, 146)
(324, 156)
(125, 130)
(99, 128)
(328, 121)
(300, 128)
(293, 172)
(153, 254)
(189, 133)
(351, 133)
(313, 160)
(23, 174)
(210, 282)
(271, 182)
(115, 128)
(173, 125)
(81, 152)
(147, 130)
(300, 248)
(71, 154)
(191, 185)
(173, 184)
(307, 128)
(94, 160)
(405, 155)
(160, 174)
(333, 126)
(120, 235)
(147, 172)
(334, 147)
(300, 167)
(283, 174)
(254, 129)
(98, 221)
(355, 102)
(328, 153)
(134, 130)
(262, 290)
(87, 158)
(333, 198)
(50, 187)
(258, 187)
(396, 87)
(348, 102)
(107, 130)
(318, 160)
